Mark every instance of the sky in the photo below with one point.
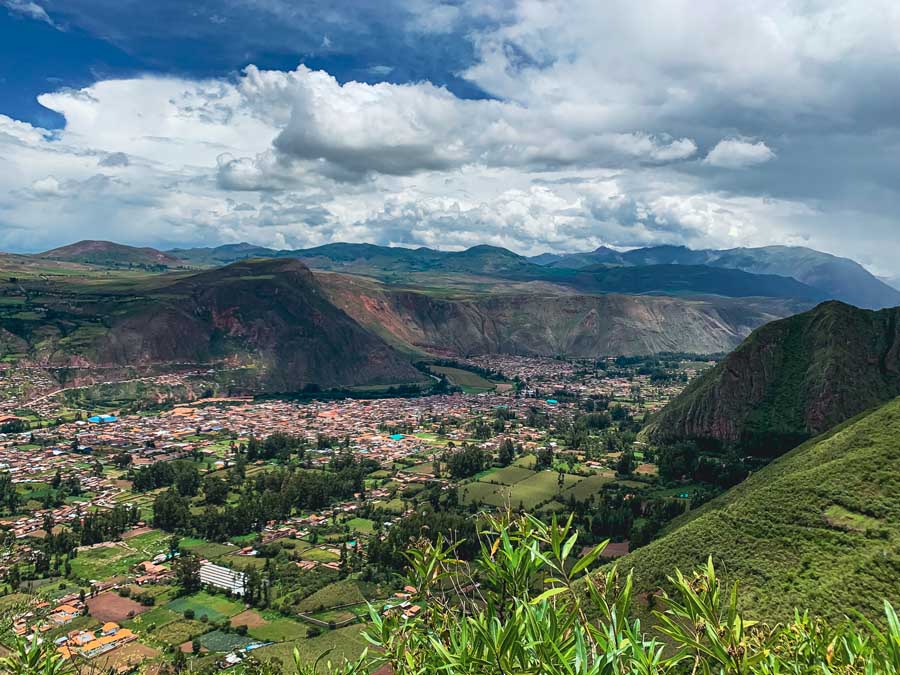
(538, 125)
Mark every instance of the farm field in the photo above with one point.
(213, 607)
(532, 489)
(113, 607)
(471, 383)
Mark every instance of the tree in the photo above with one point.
(626, 464)
(215, 490)
(187, 572)
(507, 452)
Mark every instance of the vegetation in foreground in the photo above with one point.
(525, 604)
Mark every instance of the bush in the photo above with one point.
(189, 614)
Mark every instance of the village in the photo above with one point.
(310, 576)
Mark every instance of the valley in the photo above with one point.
(207, 463)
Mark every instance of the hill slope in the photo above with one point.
(818, 527)
(539, 323)
(271, 314)
(791, 379)
(111, 254)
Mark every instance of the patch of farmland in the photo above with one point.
(588, 487)
(509, 475)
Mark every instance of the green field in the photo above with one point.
(344, 592)
(588, 487)
(534, 489)
(509, 475)
(105, 562)
(279, 630)
(338, 644)
(214, 607)
(471, 383)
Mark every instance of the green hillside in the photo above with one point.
(818, 528)
(790, 380)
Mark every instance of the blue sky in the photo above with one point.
(532, 124)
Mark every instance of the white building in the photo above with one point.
(223, 577)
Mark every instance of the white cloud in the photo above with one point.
(591, 138)
(735, 153)
(30, 9)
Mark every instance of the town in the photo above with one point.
(225, 528)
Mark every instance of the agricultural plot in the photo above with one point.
(279, 630)
(213, 607)
(527, 493)
(588, 487)
(152, 619)
(344, 592)
(113, 607)
(180, 631)
(320, 555)
(338, 644)
(471, 383)
(205, 549)
(217, 641)
(509, 475)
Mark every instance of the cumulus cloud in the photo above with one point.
(735, 153)
(590, 135)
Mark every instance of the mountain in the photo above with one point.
(269, 319)
(791, 379)
(836, 278)
(223, 255)
(818, 527)
(685, 280)
(599, 256)
(532, 321)
(111, 254)
(801, 269)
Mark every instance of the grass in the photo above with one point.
(344, 592)
(320, 555)
(471, 383)
(588, 487)
(214, 607)
(818, 528)
(279, 630)
(205, 549)
(508, 475)
(338, 644)
(110, 561)
(361, 525)
(536, 489)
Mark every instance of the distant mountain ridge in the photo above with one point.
(833, 277)
(838, 278)
(111, 254)
(789, 380)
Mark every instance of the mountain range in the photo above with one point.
(830, 276)
(289, 315)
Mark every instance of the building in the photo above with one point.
(223, 577)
